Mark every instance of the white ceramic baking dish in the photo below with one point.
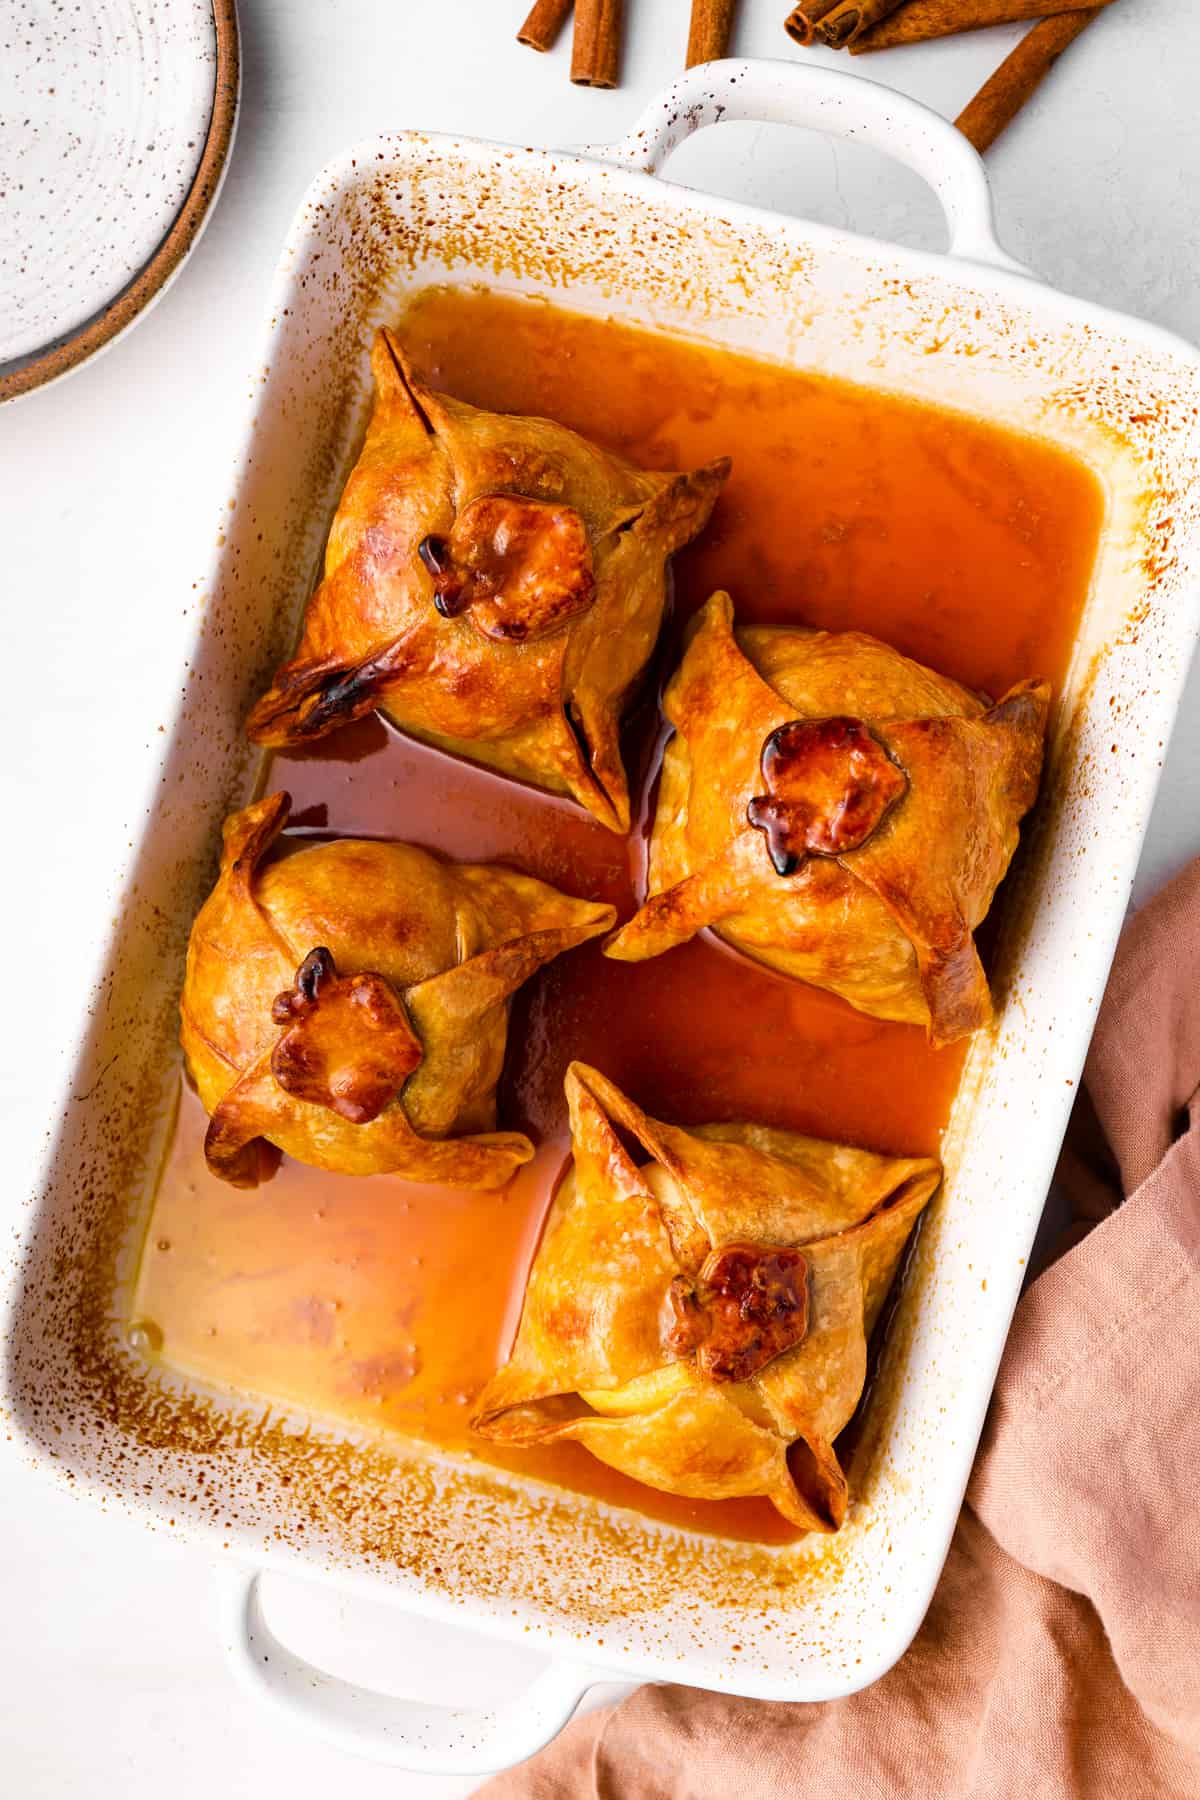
(606, 1591)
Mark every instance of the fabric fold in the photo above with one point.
(1143, 1068)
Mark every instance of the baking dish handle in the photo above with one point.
(844, 106)
(407, 1734)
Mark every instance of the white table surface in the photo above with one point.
(111, 490)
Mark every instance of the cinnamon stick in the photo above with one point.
(921, 20)
(849, 19)
(710, 30)
(1001, 98)
(596, 47)
(546, 19)
(803, 20)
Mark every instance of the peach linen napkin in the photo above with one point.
(1061, 1654)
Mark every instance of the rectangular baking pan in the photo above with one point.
(605, 1589)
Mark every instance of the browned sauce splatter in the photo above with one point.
(390, 1304)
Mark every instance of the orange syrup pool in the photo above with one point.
(387, 1304)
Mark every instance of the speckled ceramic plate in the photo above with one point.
(116, 118)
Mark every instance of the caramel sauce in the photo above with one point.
(389, 1304)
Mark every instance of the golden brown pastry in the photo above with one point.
(694, 1320)
(495, 585)
(840, 813)
(348, 1004)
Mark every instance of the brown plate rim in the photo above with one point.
(149, 283)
